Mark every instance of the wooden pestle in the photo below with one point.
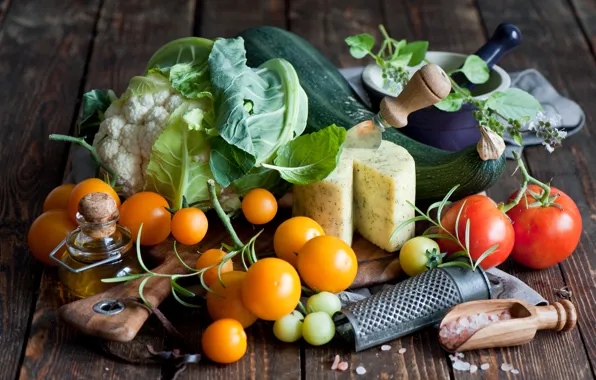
(428, 86)
(525, 320)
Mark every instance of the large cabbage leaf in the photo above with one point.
(258, 110)
(179, 164)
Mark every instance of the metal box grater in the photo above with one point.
(409, 306)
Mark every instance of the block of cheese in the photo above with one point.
(329, 201)
(384, 179)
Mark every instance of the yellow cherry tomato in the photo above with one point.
(213, 257)
(58, 198)
(189, 225)
(327, 263)
(227, 302)
(224, 341)
(291, 235)
(271, 288)
(259, 206)
(46, 232)
(149, 209)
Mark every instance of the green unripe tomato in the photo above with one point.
(318, 328)
(289, 327)
(413, 257)
(324, 301)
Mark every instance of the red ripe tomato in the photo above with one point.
(488, 226)
(545, 236)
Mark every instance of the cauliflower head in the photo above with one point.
(131, 126)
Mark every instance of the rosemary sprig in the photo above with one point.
(451, 260)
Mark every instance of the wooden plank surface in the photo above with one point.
(585, 11)
(226, 18)
(42, 55)
(545, 42)
(424, 359)
(126, 36)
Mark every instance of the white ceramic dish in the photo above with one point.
(499, 79)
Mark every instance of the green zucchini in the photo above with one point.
(331, 100)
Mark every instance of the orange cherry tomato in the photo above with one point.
(46, 232)
(327, 263)
(189, 225)
(146, 208)
(227, 302)
(58, 198)
(259, 206)
(224, 341)
(271, 288)
(291, 235)
(213, 257)
(91, 185)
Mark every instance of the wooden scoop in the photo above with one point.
(525, 320)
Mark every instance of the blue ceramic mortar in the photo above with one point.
(451, 130)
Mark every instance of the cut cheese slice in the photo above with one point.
(384, 179)
(329, 201)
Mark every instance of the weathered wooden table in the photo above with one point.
(52, 51)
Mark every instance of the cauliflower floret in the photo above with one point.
(126, 136)
(173, 102)
(137, 107)
(160, 97)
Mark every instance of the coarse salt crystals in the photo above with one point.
(456, 332)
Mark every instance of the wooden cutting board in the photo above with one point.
(375, 267)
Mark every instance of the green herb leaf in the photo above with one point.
(453, 102)
(310, 158)
(183, 303)
(418, 50)
(457, 255)
(514, 103)
(475, 69)
(123, 278)
(517, 137)
(485, 255)
(360, 44)
(445, 202)
(141, 287)
(400, 60)
(185, 292)
(461, 264)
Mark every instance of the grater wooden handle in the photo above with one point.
(428, 86)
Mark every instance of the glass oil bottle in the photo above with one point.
(99, 248)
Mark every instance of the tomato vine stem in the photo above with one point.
(81, 141)
(543, 199)
(222, 215)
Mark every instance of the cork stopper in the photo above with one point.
(100, 212)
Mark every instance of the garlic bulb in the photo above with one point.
(491, 146)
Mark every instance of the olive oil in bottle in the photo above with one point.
(99, 248)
